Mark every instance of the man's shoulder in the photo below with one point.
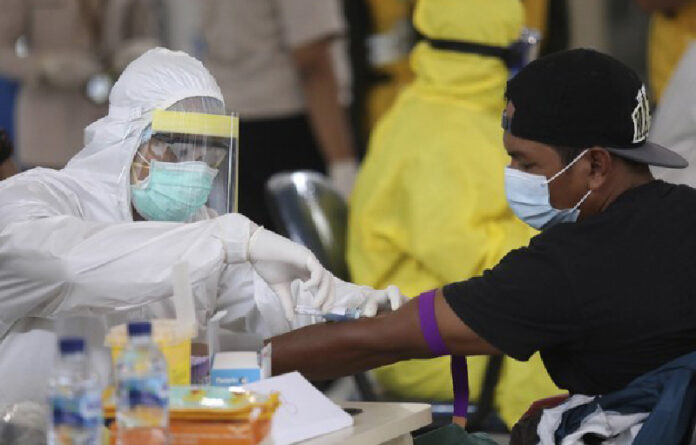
(680, 190)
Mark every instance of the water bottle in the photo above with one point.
(75, 415)
(142, 395)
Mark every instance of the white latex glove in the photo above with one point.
(349, 298)
(342, 174)
(68, 69)
(366, 300)
(279, 262)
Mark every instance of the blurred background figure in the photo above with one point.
(380, 38)
(550, 18)
(55, 48)
(282, 65)
(432, 182)
(7, 166)
(674, 123)
(672, 29)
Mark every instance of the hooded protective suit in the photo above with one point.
(68, 243)
(429, 206)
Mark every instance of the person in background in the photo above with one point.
(7, 167)
(550, 18)
(54, 48)
(428, 206)
(381, 37)
(277, 62)
(674, 123)
(672, 29)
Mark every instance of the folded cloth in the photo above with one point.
(656, 407)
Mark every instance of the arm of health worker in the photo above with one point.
(52, 263)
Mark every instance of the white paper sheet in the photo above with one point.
(304, 412)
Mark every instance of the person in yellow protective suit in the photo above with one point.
(389, 45)
(429, 207)
(672, 29)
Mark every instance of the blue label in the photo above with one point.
(77, 412)
(148, 391)
(234, 377)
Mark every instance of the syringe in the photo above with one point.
(335, 315)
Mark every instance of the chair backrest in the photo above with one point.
(307, 209)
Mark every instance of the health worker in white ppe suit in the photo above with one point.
(148, 190)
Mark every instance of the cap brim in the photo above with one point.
(651, 153)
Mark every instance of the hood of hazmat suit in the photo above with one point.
(429, 206)
(69, 247)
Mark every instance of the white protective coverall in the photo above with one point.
(68, 243)
(674, 124)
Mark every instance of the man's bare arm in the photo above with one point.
(333, 350)
(328, 120)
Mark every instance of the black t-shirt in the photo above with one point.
(605, 299)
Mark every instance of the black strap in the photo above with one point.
(470, 48)
(511, 55)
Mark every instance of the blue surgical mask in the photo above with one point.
(529, 198)
(173, 191)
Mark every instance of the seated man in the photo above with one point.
(604, 292)
(100, 236)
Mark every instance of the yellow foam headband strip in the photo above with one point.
(195, 123)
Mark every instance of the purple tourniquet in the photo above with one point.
(428, 324)
(460, 385)
(431, 333)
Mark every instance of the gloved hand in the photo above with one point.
(279, 262)
(68, 69)
(366, 300)
(348, 299)
(342, 174)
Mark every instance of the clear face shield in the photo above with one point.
(187, 169)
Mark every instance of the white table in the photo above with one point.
(379, 423)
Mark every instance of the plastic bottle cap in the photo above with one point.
(136, 328)
(71, 345)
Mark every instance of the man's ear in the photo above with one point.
(600, 167)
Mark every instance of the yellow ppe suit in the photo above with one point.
(669, 37)
(429, 206)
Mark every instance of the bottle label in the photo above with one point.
(77, 412)
(149, 391)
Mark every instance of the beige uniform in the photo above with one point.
(50, 118)
(249, 45)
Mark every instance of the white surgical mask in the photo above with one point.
(529, 198)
